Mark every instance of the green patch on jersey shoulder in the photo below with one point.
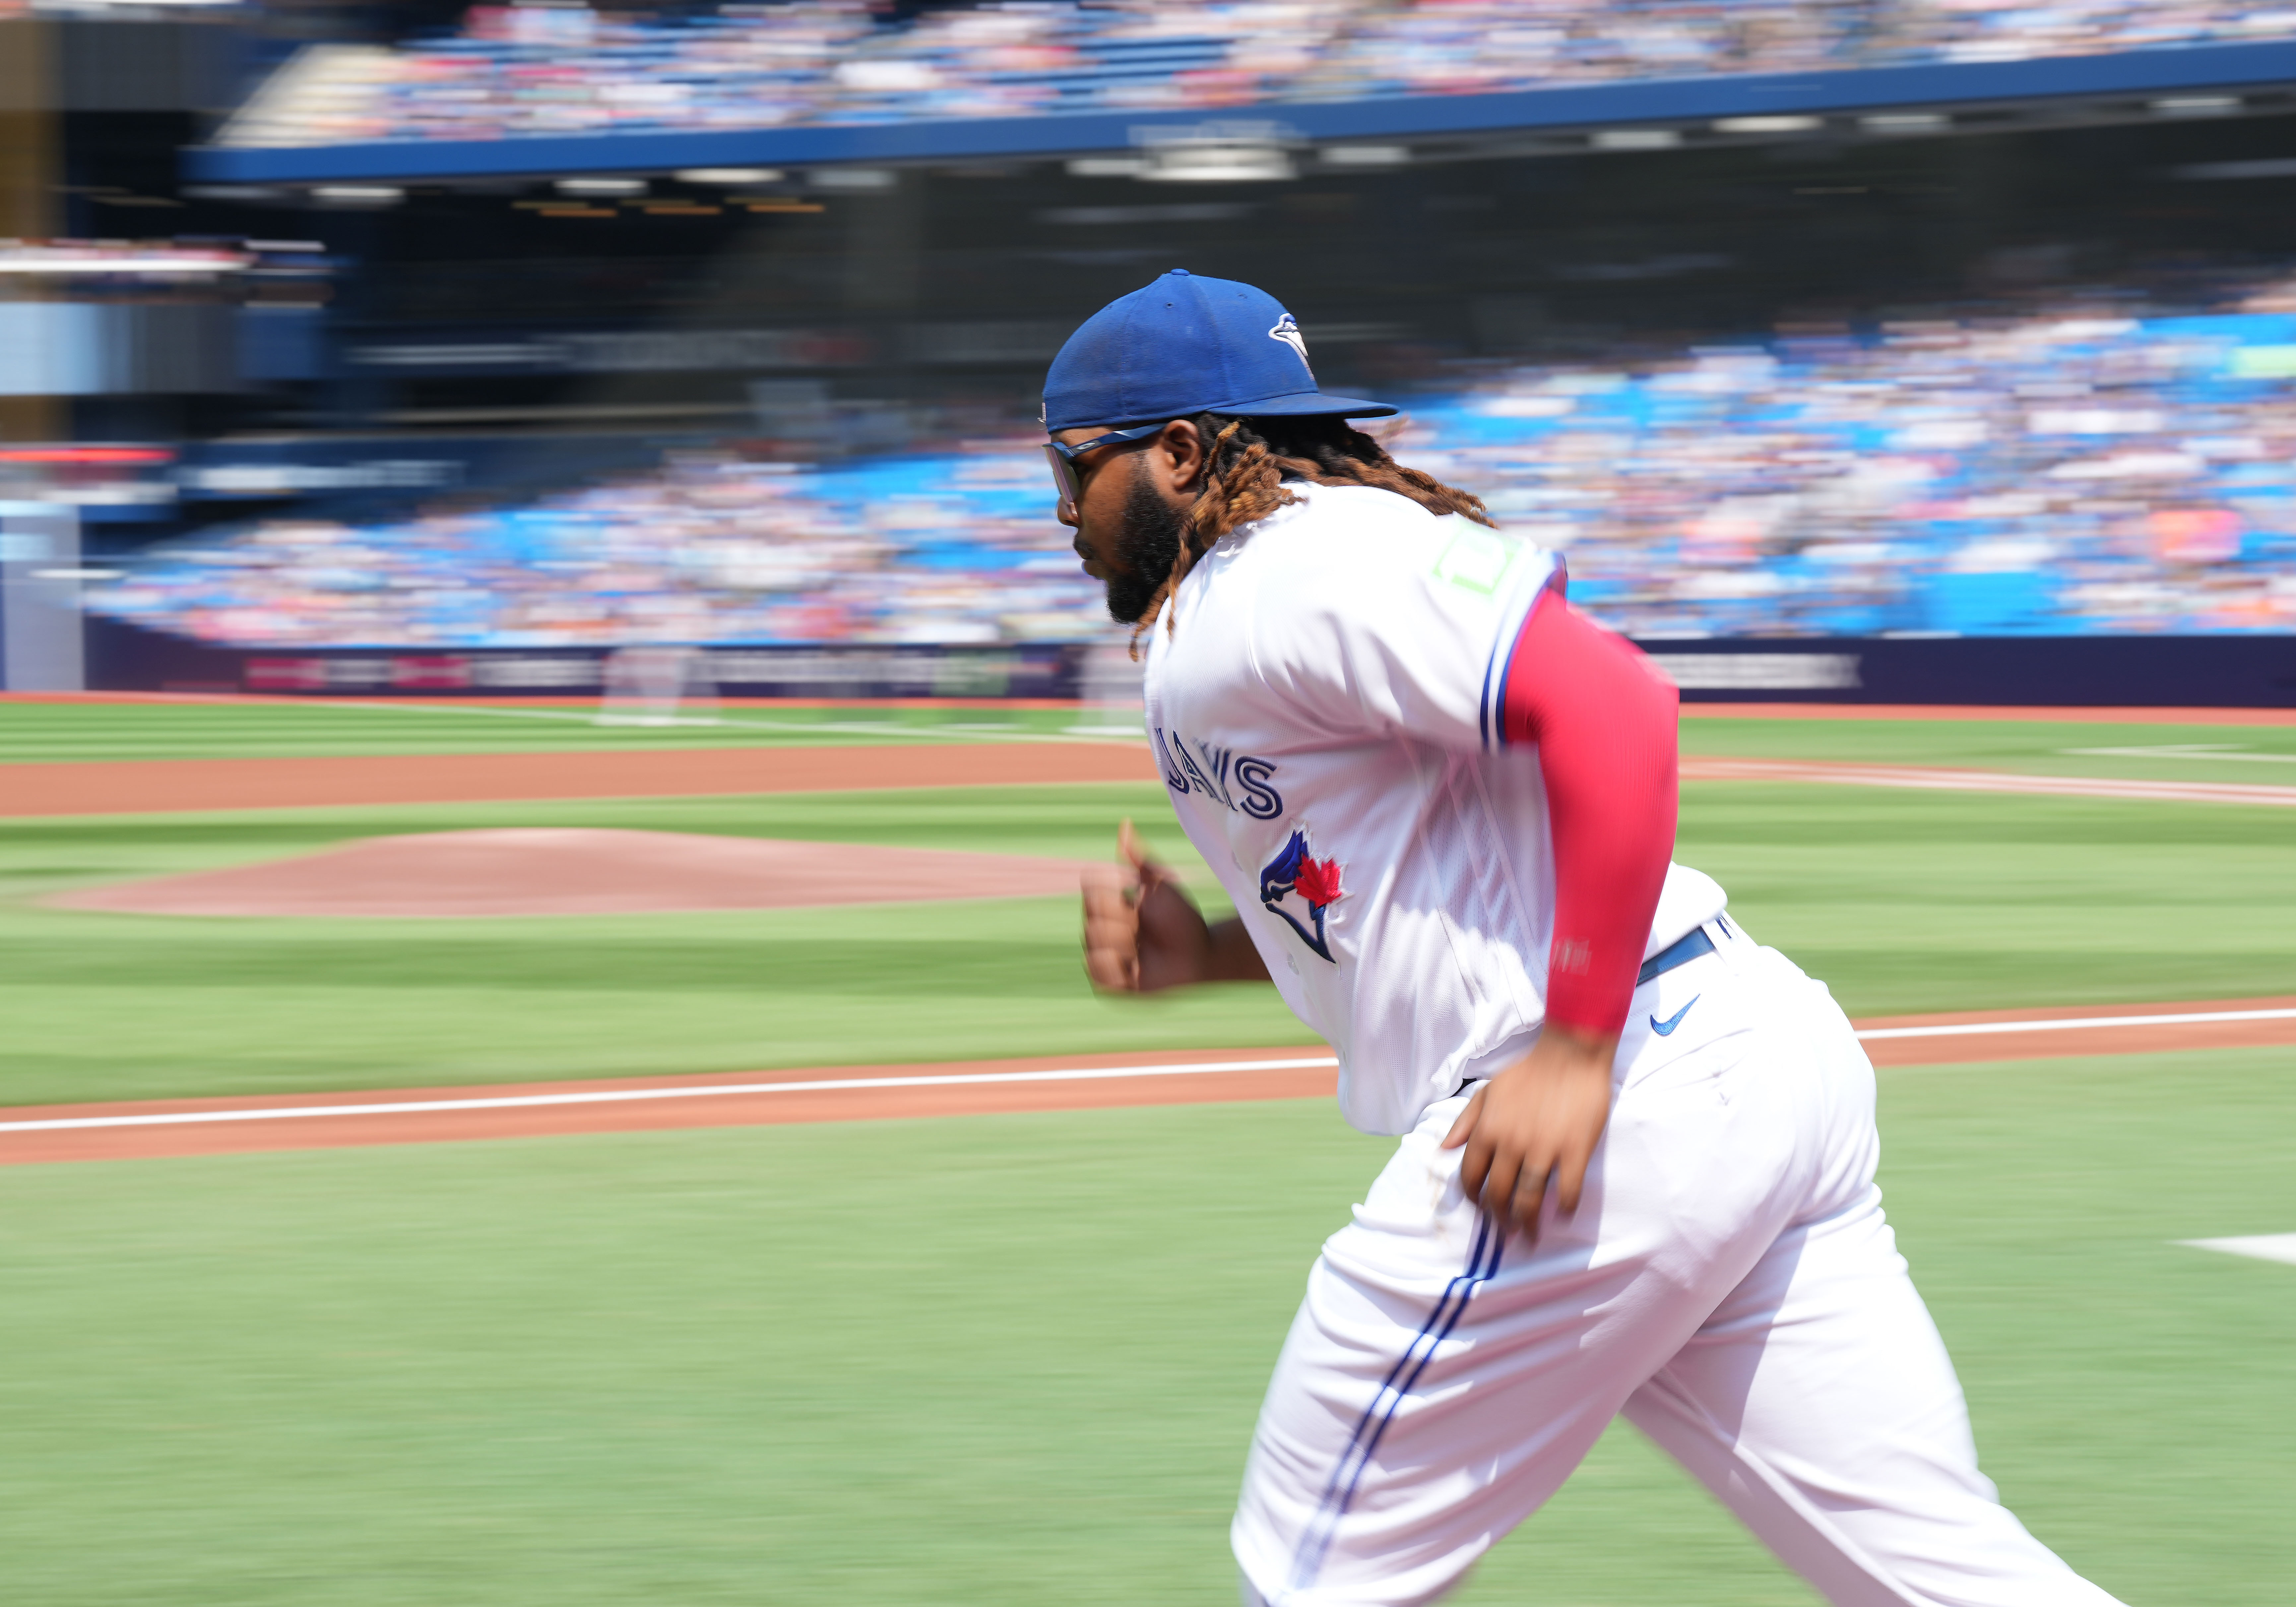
(1478, 560)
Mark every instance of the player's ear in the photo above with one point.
(1179, 456)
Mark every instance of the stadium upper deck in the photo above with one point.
(554, 89)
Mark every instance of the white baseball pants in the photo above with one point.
(1728, 1282)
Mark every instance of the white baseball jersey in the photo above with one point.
(1326, 711)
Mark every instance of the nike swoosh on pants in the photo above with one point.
(1665, 1028)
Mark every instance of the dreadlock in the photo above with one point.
(1246, 464)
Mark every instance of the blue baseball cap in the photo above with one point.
(1186, 345)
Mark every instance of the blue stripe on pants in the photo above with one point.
(1340, 1493)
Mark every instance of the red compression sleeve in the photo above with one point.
(1604, 723)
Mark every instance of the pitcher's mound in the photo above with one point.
(553, 871)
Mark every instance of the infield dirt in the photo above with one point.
(579, 871)
(168, 786)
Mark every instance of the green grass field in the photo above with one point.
(1016, 1359)
(81, 733)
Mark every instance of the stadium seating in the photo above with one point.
(2092, 464)
(515, 71)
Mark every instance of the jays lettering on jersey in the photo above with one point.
(1325, 710)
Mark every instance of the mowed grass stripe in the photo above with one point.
(2037, 747)
(33, 733)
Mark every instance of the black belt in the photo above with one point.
(1692, 945)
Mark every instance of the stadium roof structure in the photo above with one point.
(2171, 81)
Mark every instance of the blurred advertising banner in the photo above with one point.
(2165, 671)
(1050, 672)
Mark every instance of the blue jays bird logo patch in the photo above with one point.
(1294, 880)
(1288, 332)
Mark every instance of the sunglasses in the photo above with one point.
(1062, 457)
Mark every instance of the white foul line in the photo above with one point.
(2263, 1247)
(2072, 1023)
(2203, 750)
(601, 1096)
(885, 728)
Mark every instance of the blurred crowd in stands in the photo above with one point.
(562, 70)
(2092, 464)
(2082, 468)
(710, 547)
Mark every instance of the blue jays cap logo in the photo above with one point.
(1287, 330)
(1297, 878)
(1184, 344)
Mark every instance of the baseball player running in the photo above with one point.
(1638, 1156)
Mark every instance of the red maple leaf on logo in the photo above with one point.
(1318, 881)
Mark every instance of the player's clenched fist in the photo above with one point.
(1143, 933)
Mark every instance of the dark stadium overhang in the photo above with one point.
(2090, 82)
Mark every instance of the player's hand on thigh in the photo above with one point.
(1536, 1122)
(1141, 933)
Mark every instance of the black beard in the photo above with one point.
(1147, 546)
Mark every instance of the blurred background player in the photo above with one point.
(1636, 1172)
